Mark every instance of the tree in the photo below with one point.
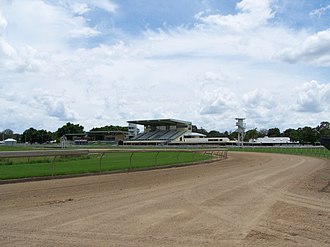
(69, 128)
(7, 133)
(262, 133)
(287, 132)
(29, 135)
(32, 135)
(292, 133)
(274, 132)
(233, 135)
(110, 128)
(214, 133)
(44, 136)
(226, 134)
(251, 134)
(307, 135)
(323, 129)
(201, 130)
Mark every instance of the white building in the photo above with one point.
(271, 140)
(197, 138)
(10, 142)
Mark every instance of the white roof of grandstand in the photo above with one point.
(158, 122)
(10, 140)
(194, 134)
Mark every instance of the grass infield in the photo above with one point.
(14, 168)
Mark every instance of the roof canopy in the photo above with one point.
(160, 122)
(195, 134)
(10, 140)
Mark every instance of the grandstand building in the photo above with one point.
(159, 131)
(168, 132)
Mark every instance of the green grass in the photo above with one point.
(314, 152)
(15, 148)
(42, 166)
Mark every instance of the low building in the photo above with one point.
(270, 141)
(77, 139)
(108, 136)
(198, 138)
(10, 142)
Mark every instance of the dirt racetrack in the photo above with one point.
(247, 200)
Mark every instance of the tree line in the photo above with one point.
(33, 135)
(303, 135)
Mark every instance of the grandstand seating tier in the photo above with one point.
(159, 135)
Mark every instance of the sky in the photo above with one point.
(105, 62)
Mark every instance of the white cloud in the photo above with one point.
(84, 32)
(105, 4)
(84, 6)
(251, 14)
(259, 98)
(6, 50)
(319, 12)
(261, 107)
(207, 75)
(80, 8)
(313, 97)
(48, 29)
(3, 23)
(55, 107)
(314, 49)
(219, 102)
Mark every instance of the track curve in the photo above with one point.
(248, 200)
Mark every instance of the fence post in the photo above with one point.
(130, 161)
(193, 159)
(156, 158)
(204, 154)
(177, 157)
(101, 162)
(53, 165)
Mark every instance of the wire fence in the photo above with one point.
(31, 164)
(319, 151)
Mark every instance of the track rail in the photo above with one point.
(43, 153)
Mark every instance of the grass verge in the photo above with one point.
(319, 152)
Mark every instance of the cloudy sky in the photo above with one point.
(105, 62)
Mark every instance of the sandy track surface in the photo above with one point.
(247, 200)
